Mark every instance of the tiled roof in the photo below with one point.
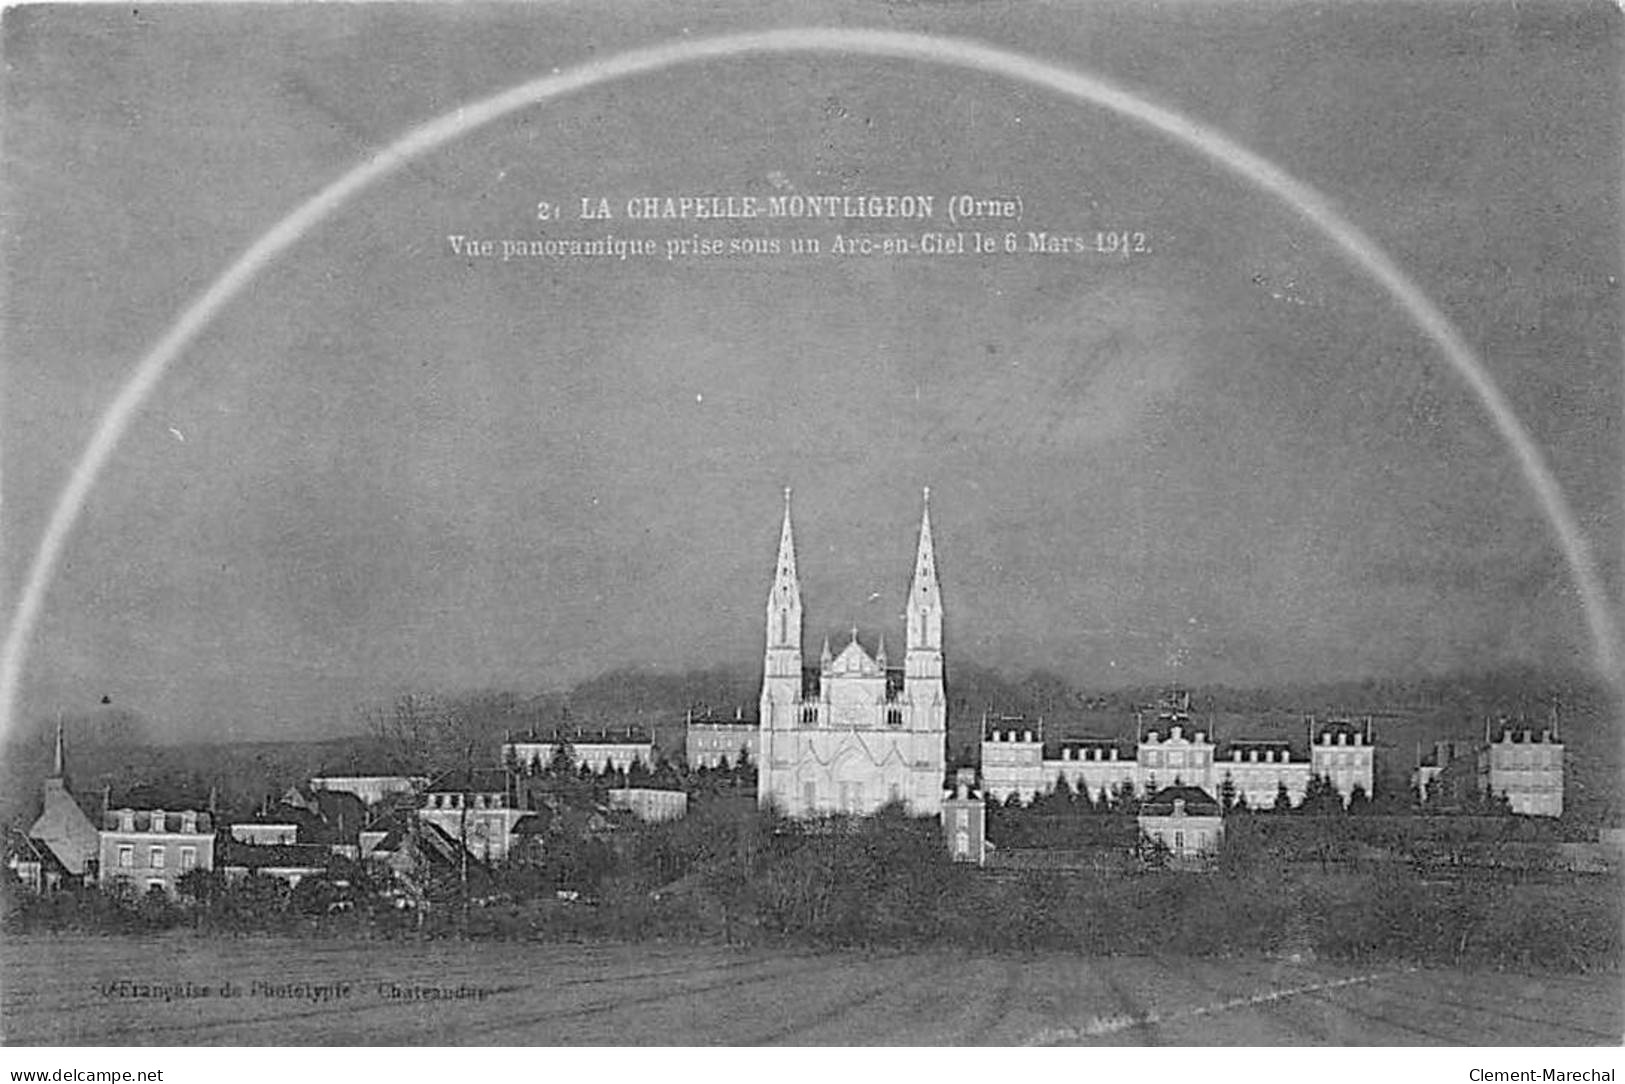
(480, 781)
(112, 821)
(273, 855)
(1198, 802)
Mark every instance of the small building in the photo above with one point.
(264, 833)
(155, 848)
(709, 742)
(417, 851)
(649, 803)
(38, 869)
(1342, 753)
(1012, 759)
(555, 821)
(1526, 768)
(371, 789)
(478, 809)
(1186, 820)
(964, 820)
(333, 817)
(62, 826)
(289, 863)
(1431, 784)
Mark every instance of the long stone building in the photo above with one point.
(1176, 751)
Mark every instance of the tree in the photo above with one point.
(665, 773)
(1154, 852)
(562, 764)
(638, 774)
(1320, 796)
(1227, 794)
(1283, 798)
(1058, 800)
(420, 733)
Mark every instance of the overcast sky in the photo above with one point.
(389, 467)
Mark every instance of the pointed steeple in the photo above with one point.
(59, 766)
(786, 585)
(924, 595)
(880, 656)
(784, 607)
(828, 656)
(925, 561)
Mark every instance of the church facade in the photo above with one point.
(853, 732)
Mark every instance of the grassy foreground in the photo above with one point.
(87, 990)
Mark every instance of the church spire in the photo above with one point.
(59, 767)
(784, 606)
(785, 583)
(925, 595)
(924, 591)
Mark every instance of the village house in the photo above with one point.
(1186, 820)
(155, 848)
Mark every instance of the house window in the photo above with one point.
(809, 795)
(155, 857)
(188, 857)
(962, 818)
(126, 857)
(962, 844)
(1179, 842)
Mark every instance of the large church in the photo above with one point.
(852, 733)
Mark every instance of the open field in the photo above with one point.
(64, 991)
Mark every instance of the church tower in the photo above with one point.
(852, 734)
(781, 674)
